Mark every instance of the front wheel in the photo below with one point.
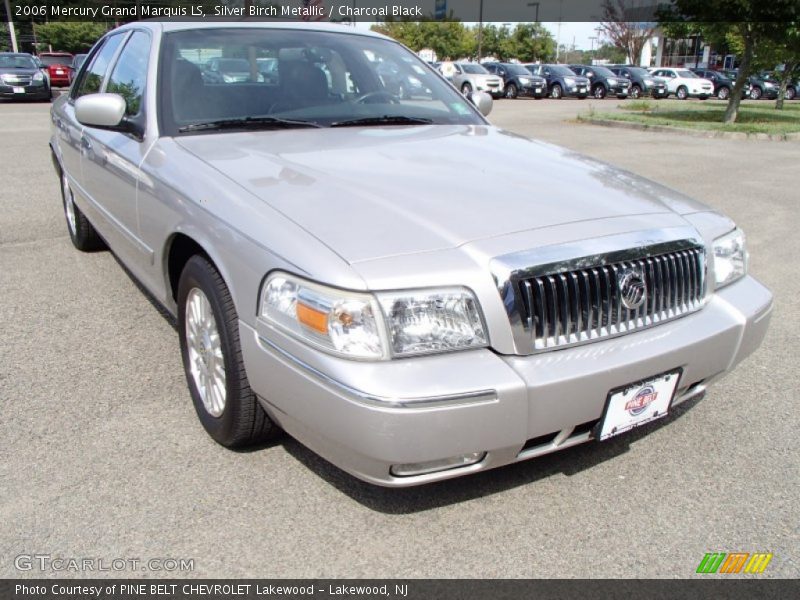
(599, 92)
(682, 93)
(790, 93)
(755, 93)
(511, 91)
(466, 89)
(723, 93)
(636, 92)
(212, 359)
(556, 92)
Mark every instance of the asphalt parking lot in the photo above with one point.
(103, 456)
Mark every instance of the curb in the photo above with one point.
(726, 135)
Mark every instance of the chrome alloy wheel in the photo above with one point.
(69, 205)
(206, 361)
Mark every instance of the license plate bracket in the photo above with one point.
(637, 403)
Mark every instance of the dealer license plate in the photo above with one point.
(637, 404)
(19, 90)
(581, 90)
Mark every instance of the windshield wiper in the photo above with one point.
(248, 123)
(385, 120)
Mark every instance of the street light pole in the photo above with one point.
(536, 4)
(11, 31)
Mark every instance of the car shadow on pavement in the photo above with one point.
(452, 491)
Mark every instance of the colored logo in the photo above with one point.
(735, 562)
(632, 288)
(643, 398)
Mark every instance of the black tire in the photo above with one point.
(636, 91)
(556, 92)
(723, 93)
(81, 232)
(243, 421)
(599, 92)
(682, 93)
(511, 91)
(755, 93)
(466, 89)
(790, 93)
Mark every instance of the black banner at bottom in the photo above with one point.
(413, 589)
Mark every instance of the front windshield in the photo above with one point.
(639, 71)
(19, 61)
(473, 69)
(517, 70)
(686, 74)
(319, 77)
(603, 71)
(558, 70)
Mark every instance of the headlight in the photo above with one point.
(649, 81)
(4, 77)
(344, 323)
(612, 81)
(426, 321)
(767, 84)
(569, 80)
(38, 76)
(730, 258)
(373, 327)
(228, 78)
(524, 80)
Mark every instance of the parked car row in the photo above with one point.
(511, 80)
(22, 77)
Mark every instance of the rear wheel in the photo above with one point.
(682, 93)
(755, 93)
(212, 359)
(556, 92)
(83, 235)
(511, 91)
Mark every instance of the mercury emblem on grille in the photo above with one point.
(632, 288)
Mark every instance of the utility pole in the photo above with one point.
(11, 31)
(536, 4)
(558, 35)
(480, 31)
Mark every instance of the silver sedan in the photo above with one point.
(342, 267)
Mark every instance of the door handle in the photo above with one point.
(86, 144)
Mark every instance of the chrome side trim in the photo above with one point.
(558, 260)
(425, 402)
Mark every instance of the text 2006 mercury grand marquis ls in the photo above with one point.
(343, 266)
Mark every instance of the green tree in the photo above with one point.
(449, 39)
(70, 36)
(529, 42)
(5, 43)
(750, 24)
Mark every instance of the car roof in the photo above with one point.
(187, 25)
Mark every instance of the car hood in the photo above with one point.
(24, 72)
(369, 193)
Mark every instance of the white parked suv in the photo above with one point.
(683, 83)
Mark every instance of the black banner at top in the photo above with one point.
(471, 11)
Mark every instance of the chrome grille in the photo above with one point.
(23, 80)
(571, 307)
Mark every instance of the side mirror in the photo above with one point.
(106, 111)
(482, 101)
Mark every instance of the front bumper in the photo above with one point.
(366, 417)
(657, 92)
(32, 92)
(537, 90)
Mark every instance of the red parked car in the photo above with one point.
(58, 67)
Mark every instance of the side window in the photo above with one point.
(92, 81)
(130, 73)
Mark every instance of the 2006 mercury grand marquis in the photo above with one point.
(341, 264)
